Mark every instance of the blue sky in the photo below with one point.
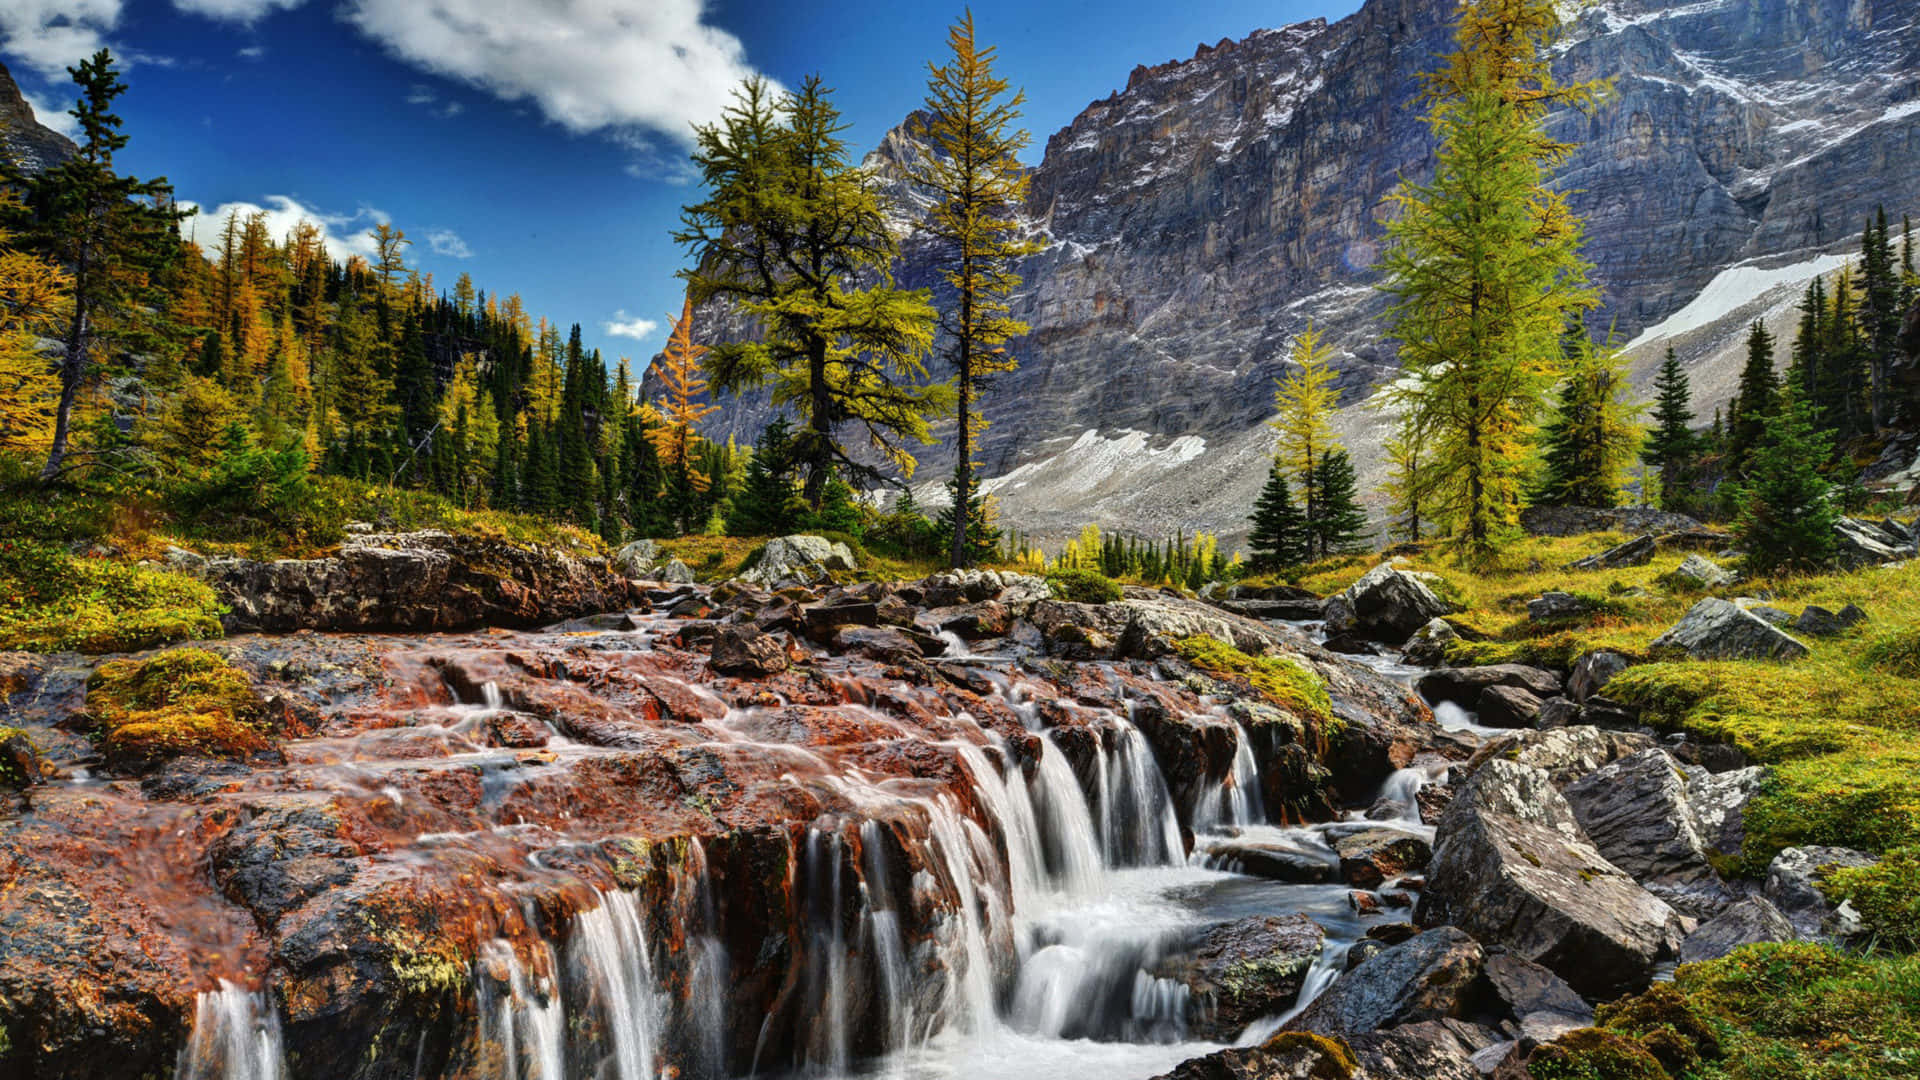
(540, 145)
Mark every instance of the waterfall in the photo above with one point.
(1235, 800)
(523, 1021)
(612, 974)
(1138, 826)
(1402, 789)
(236, 1036)
(1066, 822)
(1327, 967)
(827, 953)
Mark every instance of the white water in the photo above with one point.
(236, 1036)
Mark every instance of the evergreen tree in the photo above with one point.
(1806, 368)
(1672, 447)
(768, 504)
(1484, 263)
(982, 537)
(793, 233)
(1787, 510)
(1279, 538)
(1594, 434)
(970, 124)
(676, 439)
(1304, 400)
(1338, 525)
(1880, 313)
(1754, 403)
(1841, 397)
(111, 234)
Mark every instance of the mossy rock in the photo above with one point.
(1593, 1054)
(1083, 586)
(1281, 681)
(20, 764)
(1667, 1024)
(1325, 1058)
(186, 702)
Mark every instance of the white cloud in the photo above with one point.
(51, 113)
(241, 11)
(344, 234)
(448, 243)
(49, 35)
(253, 52)
(424, 97)
(590, 65)
(622, 325)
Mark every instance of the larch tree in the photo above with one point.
(1410, 479)
(794, 235)
(1484, 263)
(970, 125)
(1304, 399)
(111, 234)
(32, 292)
(676, 439)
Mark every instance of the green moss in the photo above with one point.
(1281, 681)
(51, 601)
(1330, 1059)
(1081, 586)
(18, 758)
(1668, 1023)
(1887, 896)
(1593, 1054)
(182, 702)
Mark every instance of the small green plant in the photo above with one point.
(1896, 653)
(51, 601)
(1887, 896)
(1082, 586)
(1593, 1054)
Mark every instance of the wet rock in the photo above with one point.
(1074, 631)
(1463, 686)
(1555, 605)
(1369, 857)
(1194, 750)
(972, 622)
(415, 581)
(1637, 813)
(744, 649)
(1512, 867)
(1389, 604)
(1593, 671)
(1636, 552)
(1820, 622)
(1716, 629)
(1287, 1056)
(1567, 754)
(1793, 884)
(883, 643)
(825, 620)
(1272, 862)
(1240, 971)
(1428, 645)
(289, 849)
(1284, 603)
(1870, 543)
(798, 560)
(1559, 712)
(20, 762)
(1747, 922)
(516, 731)
(1351, 645)
(1508, 707)
(1427, 977)
(1703, 573)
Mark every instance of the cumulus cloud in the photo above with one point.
(240, 11)
(345, 234)
(52, 112)
(623, 325)
(590, 65)
(448, 243)
(48, 35)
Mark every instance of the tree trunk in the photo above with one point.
(72, 371)
(821, 421)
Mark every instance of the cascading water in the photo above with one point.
(236, 1036)
(611, 981)
(522, 1020)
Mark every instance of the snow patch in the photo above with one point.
(1733, 289)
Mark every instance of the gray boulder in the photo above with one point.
(1752, 920)
(1555, 605)
(1463, 686)
(677, 573)
(798, 560)
(1559, 712)
(1538, 1000)
(1704, 573)
(1427, 977)
(1593, 671)
(1793, 884)
(1512, 867)
(743, 649)
(1871, 543)
(1508, 707)
(1389, 604)
(1716, 629)
(1240, 971)
(1636, 811)
(1428, 645)
(638, 559)
(1638, 551)
(1820, 622)
(1719, 802)
(1567, 753)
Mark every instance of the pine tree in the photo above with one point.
(1880, 313)
(1754, 403)
(1672, 447)
(1594, 434)
(1787, 510)
(111, 233)
(32, 291)
(767, 504)
(1841, 399)
(676, 439)
(981, 524)
(970, 124)
(1305, 399)
(1279, 538)
(1807, 366)
(793, 233)
(1339, 525)
(1484, 263)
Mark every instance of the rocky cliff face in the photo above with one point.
(1200, 217)
(23, 139)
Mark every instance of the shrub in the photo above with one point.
(51, 601)
(1083, 586)
(183, 702)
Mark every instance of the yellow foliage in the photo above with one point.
(32, 292)
(676, 439)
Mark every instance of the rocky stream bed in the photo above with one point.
(949, 828)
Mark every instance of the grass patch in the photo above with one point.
(1281, 681)
(53, 601)
(186, 702)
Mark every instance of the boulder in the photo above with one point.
(1593, 671)
(1567, 754)
(972, 622)
(1719, 805)
(1820, 622)
(1508, 707)
(798, 560)
(1793, 884)
(1559, 712)
(1716, 629)
(1636, 812)
(677, 573)
(887, 644)
(745, 649)
(1747, 922)
(1074, 631)
(1638, 551)
(824, 620)
(638, 559)
(1512, 867)
(1389, 604)
(1370, 857)
(516, 730)
(1463, 686)
(1549, 606)
(1428, 645)
(1871, 543)
(1270, 861)
(1704, 573)
(1527, 990)
(1240, 971)
(1427, 977)
(1763, 610)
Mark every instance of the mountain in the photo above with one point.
(24, 140)
(1201, 216)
